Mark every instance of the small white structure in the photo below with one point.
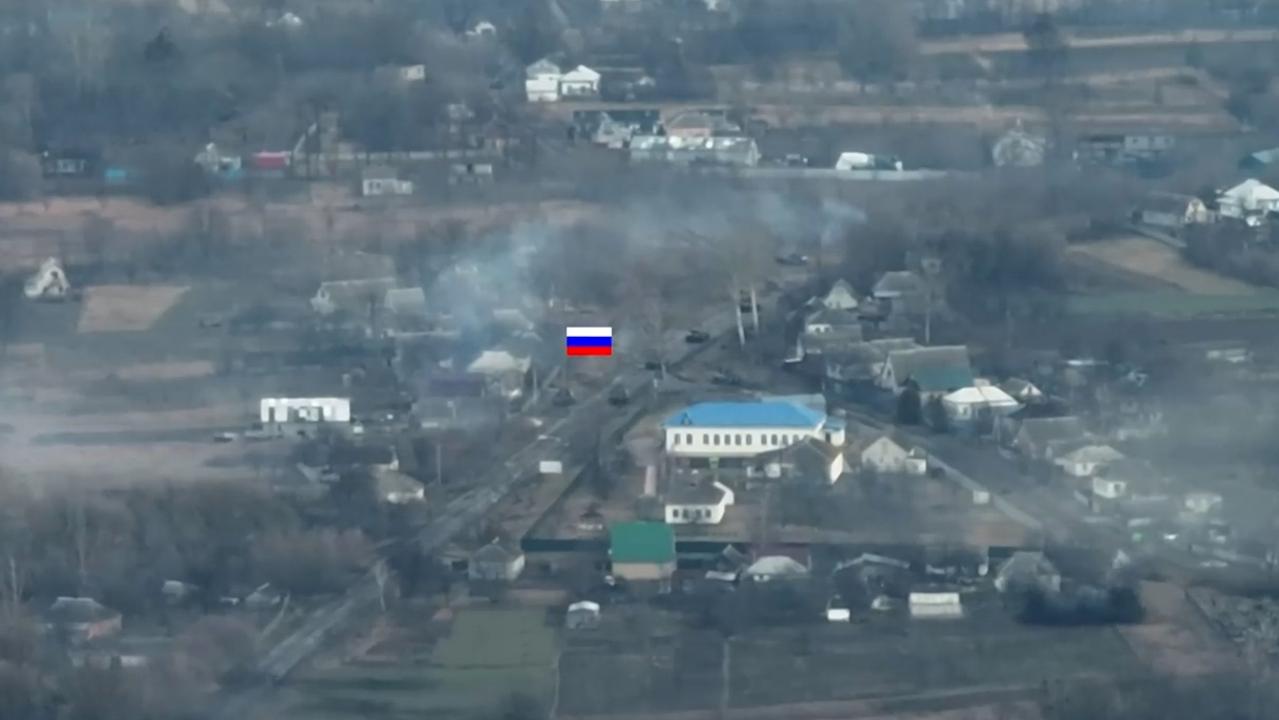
(582, 615)
(1109, 488)
(1087, 460)
(885, 455)
(49, 282)
(1028, 570)
(412, 73)
(395, 488)
(837, 610)
(1249, 201)
(935, 605)
(700, 504)
(1173, 212)
(279, 411)
(1018, 148)
(483, 28)
(866, 161)
(1203, 502)
(542, 81)
(380, 181)
(496, 561)
(967, 404)
(771, 568)
(581, 81)
(550, 467)
(499, 362)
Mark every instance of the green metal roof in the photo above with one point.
(942, 379)
(642, 542)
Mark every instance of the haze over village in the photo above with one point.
(639, 359)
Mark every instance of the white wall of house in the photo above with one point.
(1108, 488)
(884, 455)
(701, 513)
(935, 605)
(1078, 469)
(373, 187)
(542, 88)
(741, 442)
(314, 410)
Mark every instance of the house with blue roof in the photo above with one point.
(746, 429)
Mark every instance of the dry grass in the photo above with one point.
(1175, 639)
(166, 370)
(1155, 260)
(126, 308)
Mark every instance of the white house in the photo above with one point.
(885, 455)
(967, 404)
(49, 283)
(697, 503)
(775, 568)
(745, 429)
(840, 297)
(1109, 488)
(304, 410)
(581, 81)
(378, 181)
(542, 81)
(1087, 460)
(1172, 212)
(412, 73)
(935, 605)
(1250, 200)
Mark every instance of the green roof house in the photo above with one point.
(642, 551)
(936, 370)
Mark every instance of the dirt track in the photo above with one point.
(1016, 42)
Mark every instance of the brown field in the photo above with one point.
(1153, 259)
(1016, 42)
(1175, 639)
(126, 308)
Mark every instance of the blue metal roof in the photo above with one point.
(746, 414)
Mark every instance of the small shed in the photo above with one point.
(496, 561)
(582, 615)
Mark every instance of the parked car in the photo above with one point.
(697, 336)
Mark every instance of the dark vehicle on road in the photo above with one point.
(563, 397)
(619, 395)
(697, 336)
(793, 259)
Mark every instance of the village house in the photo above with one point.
(496, 561)
(579, 82)
(811, 460)
(1027, 571)
(396, 488)
(934, 603)
(542, 81)
(1044, 438)
(280, 412)
(826, 329)
(976, 406)
(698, 124)
(854, 370)
(883, 454)
(80, 619)
(360, 300)
(48, 283)
(1129, 485)
(1018, 148)
(1122, 149)
(900, 290)
(406, 312)
(1086, 460)
(1172, 213)
(1021, 390)
(505, 372)
(643, 552)
(380, 180)
(1250, 201)
(696, 501)
(840, 297)
(775, 568)
(933, 371)
(723, 151)
(740, 430)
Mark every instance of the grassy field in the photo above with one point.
(437, 670)
(1174, 304)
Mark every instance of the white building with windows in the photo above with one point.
(697, 504)
(278, 411)
(716, 430)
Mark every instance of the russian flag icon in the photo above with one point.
(588, 341)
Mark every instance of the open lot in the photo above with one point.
(126, 308)
(457, 666)
(1144, 256)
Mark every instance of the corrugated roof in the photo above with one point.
(746, 414)
(641, 542)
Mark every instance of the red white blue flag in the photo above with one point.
(588, 341)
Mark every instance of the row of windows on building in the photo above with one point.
(693, 514)
(740, 439)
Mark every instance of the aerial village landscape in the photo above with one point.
(639, 359)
